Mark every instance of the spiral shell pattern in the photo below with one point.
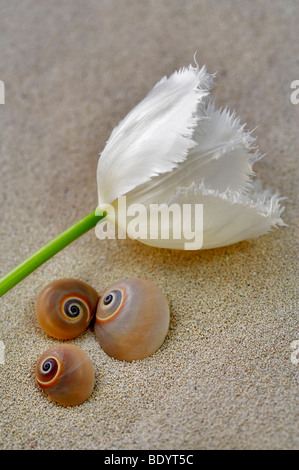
(66, 374)
(65, 308)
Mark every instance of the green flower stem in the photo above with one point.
(50, 249)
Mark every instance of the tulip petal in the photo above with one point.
(155, 136)
(228, 217)
(225, 152)
(222, 158)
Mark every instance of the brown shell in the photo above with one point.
(66, 374)
(132, 319)
(65, 308)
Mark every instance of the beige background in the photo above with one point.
(224, 378)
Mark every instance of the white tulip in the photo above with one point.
(175, 147)
(175, 150)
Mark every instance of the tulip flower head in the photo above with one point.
(175, 151)
(176, 148)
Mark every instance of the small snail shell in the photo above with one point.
(66, 374)
(64, 308)
(132, 319)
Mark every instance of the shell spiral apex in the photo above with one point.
(65, 308)
(66, 374)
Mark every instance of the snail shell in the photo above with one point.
(132, 319)
(66, 374)
(64, 308)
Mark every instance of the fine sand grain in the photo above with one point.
(224, 378)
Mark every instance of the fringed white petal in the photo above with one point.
(222, 158)
(228, 217)
(225, 152)
(155, 136)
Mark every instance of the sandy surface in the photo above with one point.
(223, 378)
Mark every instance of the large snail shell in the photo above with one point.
(66, 374)
(64, 308)
(132, 319)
